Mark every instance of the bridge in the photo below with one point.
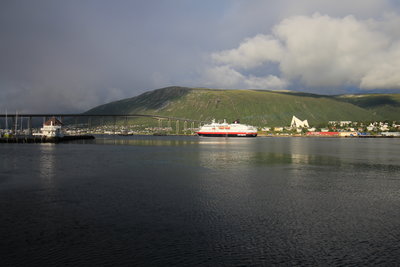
(62, 116)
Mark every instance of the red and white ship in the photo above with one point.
(227, 130)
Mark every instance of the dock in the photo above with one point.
(44, 139)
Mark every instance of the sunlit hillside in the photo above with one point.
(257, 107)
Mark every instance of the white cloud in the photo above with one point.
(385, 73)
(223, 76)
(251, 53)
(318, 51)
(270, 82)
(227, 77)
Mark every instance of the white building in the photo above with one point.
(340, 123)
(371, 127)
(344, 123)
(297, 123)
(52, 128)
(384, 128)
(391, 134)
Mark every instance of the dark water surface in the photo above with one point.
(189, 201)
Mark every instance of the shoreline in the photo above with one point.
(67, 138)
(43, 139)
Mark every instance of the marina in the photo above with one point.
(51, 132)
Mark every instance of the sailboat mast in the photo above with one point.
(16, 122)
(6, 121)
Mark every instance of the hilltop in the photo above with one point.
(257, 107)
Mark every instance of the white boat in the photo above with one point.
(225, 129)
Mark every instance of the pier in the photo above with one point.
(44, 139)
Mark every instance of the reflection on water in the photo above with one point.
(215, 158)
(239, 152)
(47, 162)
(143, 141)
(47, 173)
(190, 201)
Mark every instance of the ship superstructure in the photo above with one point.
(225, 129)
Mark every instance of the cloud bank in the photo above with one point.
(68, 56)
(315, 51)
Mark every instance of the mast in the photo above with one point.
(6, 121)
(16, 122)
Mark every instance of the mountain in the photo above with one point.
(385, 106)
(257, 107)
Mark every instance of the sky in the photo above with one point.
(69, 56)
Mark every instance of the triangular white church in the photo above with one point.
(297, 123)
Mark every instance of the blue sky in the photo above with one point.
(68, 56)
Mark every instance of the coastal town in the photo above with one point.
(54, 128)
(337, 128)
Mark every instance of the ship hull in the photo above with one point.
(227, 134)
(227, 130)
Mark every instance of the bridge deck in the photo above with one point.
(41, 115)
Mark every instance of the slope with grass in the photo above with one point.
(385, 106)
(257, 107)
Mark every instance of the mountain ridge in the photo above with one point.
(257, 107)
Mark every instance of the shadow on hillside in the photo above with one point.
(302, 94)
(372, 101)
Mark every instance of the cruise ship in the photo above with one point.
(225, 129)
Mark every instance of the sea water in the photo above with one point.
(191, 201)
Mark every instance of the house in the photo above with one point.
(52, 128)
(344, 123)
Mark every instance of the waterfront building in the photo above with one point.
(347, 134)
(52, 128)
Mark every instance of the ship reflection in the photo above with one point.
(233, 153)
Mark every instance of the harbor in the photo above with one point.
(44, 139)
(51, 132)
(58, 128)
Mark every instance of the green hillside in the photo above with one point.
(385, 106)
(257, 107)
